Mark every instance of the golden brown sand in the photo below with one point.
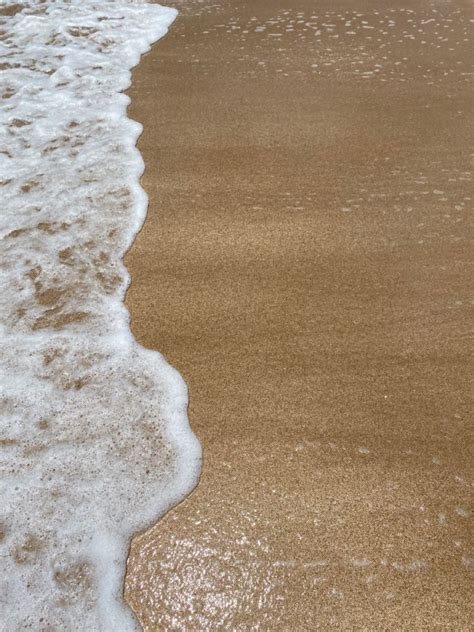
(304, 265)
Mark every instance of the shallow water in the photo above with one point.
(95, 440)
(308, 227)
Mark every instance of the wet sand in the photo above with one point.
(305, 266)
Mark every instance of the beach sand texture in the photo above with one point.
(305, 266)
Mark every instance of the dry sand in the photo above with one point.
(304, 265)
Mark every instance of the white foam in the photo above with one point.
(95, 442)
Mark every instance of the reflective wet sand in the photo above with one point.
(305, 266)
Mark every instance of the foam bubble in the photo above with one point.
(95, 442)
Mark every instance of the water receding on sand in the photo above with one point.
(95, 442)
(314, 294)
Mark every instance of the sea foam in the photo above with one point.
(95, 442)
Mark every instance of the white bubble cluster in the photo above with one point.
(95, 442)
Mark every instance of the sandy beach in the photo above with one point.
(305, 266)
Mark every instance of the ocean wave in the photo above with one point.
(95, 440)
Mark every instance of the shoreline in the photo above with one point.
(303, 265)
(95, 439)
